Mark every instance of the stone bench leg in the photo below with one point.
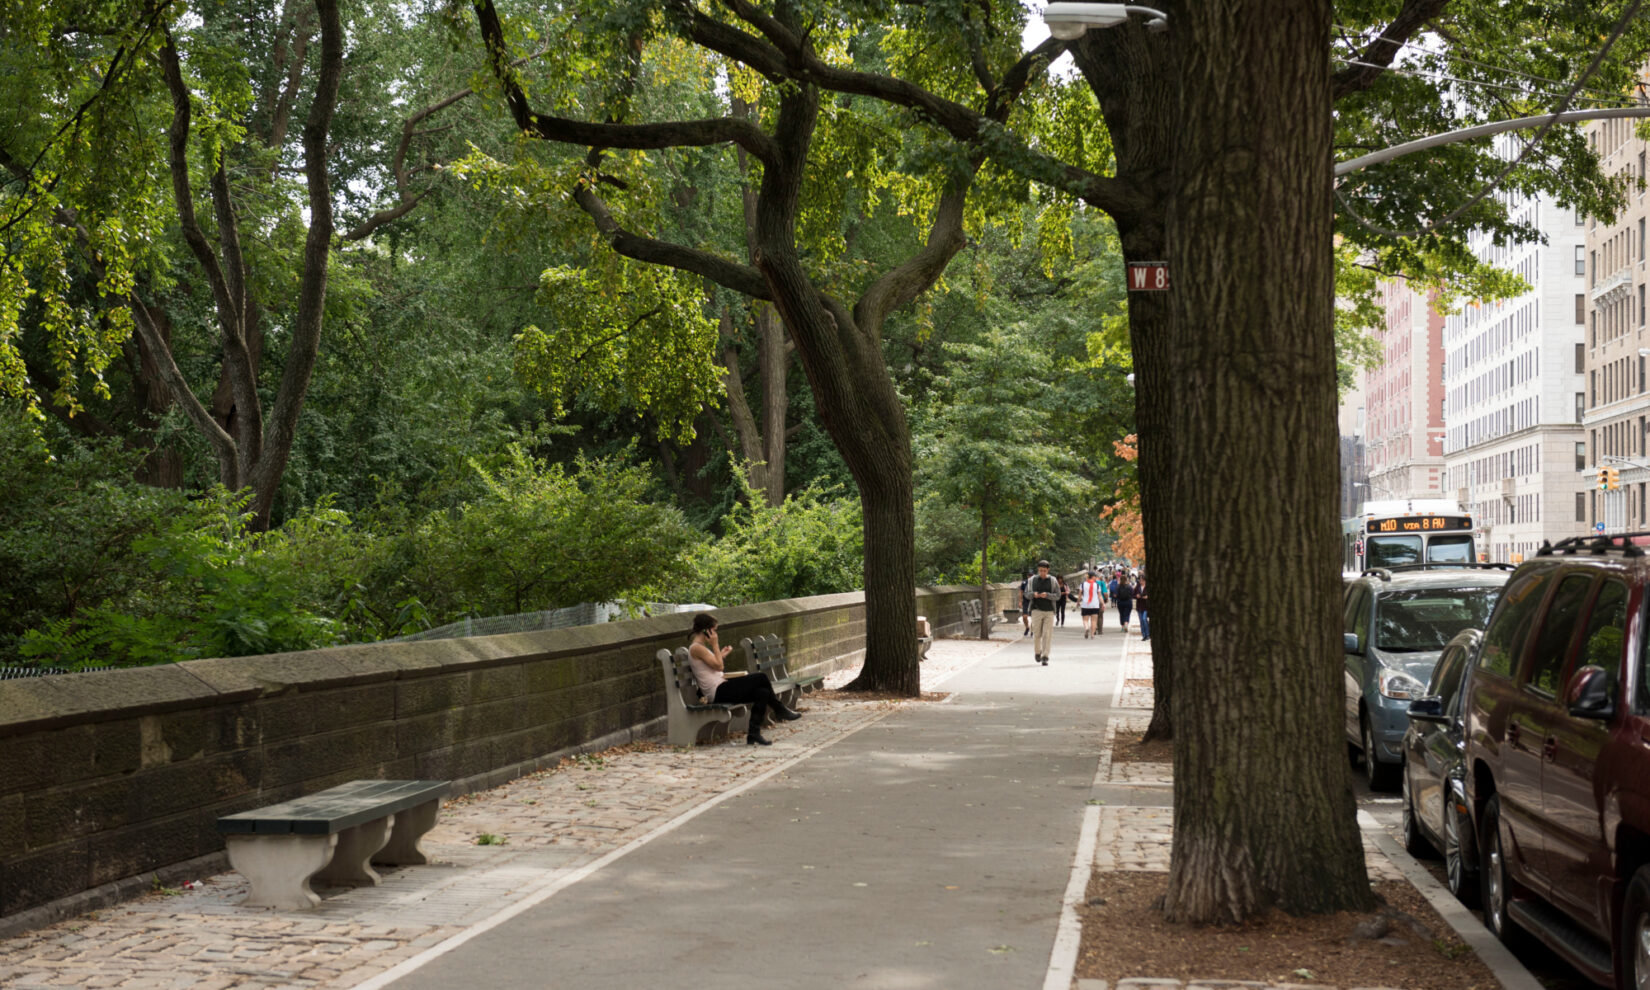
(278, 867)
(351, 860)
(410, 827)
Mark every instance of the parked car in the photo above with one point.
(1397, 621)
(1436, 814)
(1558, 758)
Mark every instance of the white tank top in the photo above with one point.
(1091, 594)
(709, 680)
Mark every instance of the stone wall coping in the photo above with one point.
(33, 704)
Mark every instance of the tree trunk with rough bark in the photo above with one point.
(1249, 237)
(985, 575)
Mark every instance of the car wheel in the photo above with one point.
(1635, 932)
(1497, 886)
(1377, 774)
(1458, 872)
(1415, 843)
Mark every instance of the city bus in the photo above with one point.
(1407, 531)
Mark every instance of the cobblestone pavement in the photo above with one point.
(539, 829)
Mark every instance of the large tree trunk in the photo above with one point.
(1131, 73)
(1264, 812)
(985, 575)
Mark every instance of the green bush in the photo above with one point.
(812, 544)
(214, 589)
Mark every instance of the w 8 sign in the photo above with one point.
(1148, 276)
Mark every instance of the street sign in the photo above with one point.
(1599, 527)
(1148, 276)
(1358, 548)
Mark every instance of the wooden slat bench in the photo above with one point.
(686, 711)
(334, 835)
(765, 655)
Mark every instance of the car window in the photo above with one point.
(1355, 599)
(1392, 551)
(1446, 679)
(1426, 619)
(1558, 628)
(1449, 549)
(1606, 632)
(1504, 636)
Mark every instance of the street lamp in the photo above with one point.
(1068, 21)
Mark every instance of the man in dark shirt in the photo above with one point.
(1044, 589)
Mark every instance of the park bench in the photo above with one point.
(973, 614)
(686, 711)
(765, 655)
(333, 835)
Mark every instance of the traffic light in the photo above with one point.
(1615, 478)
(1603, 478)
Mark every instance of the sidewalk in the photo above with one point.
(888, 844)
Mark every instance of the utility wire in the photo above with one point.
(1556, 83)
(1478, 197)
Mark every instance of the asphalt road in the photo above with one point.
(1386, 807)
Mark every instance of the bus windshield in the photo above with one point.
(1449, 550)
(1392, 551)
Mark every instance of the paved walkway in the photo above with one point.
(882, 844)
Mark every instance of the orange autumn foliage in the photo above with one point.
(1124, 514)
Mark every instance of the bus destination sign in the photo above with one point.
(1418, 524)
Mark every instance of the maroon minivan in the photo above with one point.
(1558, 758)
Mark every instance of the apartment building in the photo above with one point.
(1403, 425)
(1616, 402)
(1513, 405)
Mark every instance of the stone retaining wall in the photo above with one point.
(109, 778)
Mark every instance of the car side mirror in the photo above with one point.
(1591, 693)
(1430, 709)
(1351, 641)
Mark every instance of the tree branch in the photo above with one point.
(919, 272)
(729, 274)
(673, 134)
(1378, 55)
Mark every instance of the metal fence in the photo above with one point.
(586, 614)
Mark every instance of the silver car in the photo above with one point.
(1397, 622)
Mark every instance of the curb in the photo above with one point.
(1502, 963)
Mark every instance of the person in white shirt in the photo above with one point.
(1092, 605)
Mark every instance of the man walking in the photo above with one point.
(1044, 590)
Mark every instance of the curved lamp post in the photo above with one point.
(1068, 21)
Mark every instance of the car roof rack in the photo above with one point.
(1595, 546)
(1451, 564)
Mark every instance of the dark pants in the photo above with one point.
(1060, 612)
(753, 690)
(1145, 626)
(1123, 610)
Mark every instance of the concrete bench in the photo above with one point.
(333, 835)
(765, 655)
(686, 711)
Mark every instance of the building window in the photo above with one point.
(1581, 308)
(1592, 274)
(1581, 506)
(1581, 260)
(1592, 379)
(1641, 220)
(1581, 457)
(1581, 218)
(1641, 313)
(1581, 358)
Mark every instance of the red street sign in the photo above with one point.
(1148, 276)
(1358, 547)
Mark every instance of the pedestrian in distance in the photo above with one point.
(1025, 601)
(1089, 604)
(706, 655)
(1060, 603)
(1123, 595)
(1140, 609)
(1044, 590)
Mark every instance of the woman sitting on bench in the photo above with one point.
(705, 656)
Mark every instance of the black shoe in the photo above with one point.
(755, 739)
(784, 714)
